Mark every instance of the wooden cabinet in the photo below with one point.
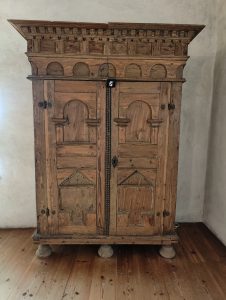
(106, 113)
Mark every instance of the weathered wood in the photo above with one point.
(136, 192)
(74, 159)
(172, 158)
(137, 150)
(138, 162)
(50, 151)
(76, 150)
(70, 63)
(125, 239)
(134, 272)
(40, 157)
(125, 38)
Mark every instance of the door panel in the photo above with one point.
(76, 174)
(139, 127)
(75, 157)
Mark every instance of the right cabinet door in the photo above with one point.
(139, 146)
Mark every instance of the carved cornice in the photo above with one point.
(110, 39)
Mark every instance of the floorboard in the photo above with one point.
(134, 272)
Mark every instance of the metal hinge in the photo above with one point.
(45, 104)
(171, 106)
(45, 211)
(165, 213)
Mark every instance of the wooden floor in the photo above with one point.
(134, 272)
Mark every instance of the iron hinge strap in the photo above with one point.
(45, 104)
(171, 106)
(45, 211)
(166, 213)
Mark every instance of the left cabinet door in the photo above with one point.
(74, 126)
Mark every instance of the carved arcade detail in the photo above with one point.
(96, 70)
(149, 52)
(106, 38)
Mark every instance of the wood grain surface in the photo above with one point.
(134, 272)
(134, 136)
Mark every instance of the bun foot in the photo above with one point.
(105, 251)
(167, 251)
(43, 251)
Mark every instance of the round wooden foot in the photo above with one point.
(167, 251)
(105, 251)
(43, 251)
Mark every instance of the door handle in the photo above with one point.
(114, 161)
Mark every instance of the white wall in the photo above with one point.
(215, 200)
(17, 196)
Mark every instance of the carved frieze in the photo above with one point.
(96, 51)
(115, 39)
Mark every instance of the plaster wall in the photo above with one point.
(215, 199)
(17, 184)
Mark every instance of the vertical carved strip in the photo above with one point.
(59, 134)
(50, 138)
(36, 45)
(154, 135)
(60, 46)
(84, 47)
(154, 130)
(131, 47)
(107, 46)
(162, 150)
(40, 158)
(172, 157)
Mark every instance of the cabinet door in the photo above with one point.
(139, 139)
(74, 132)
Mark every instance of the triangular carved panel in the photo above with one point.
(76, 178)
(136, 178)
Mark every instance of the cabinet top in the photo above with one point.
(110, 25)
(130, 39)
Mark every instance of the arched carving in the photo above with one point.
(138, 130)
(34, 69)
(81, 70)
(76, 130)
(133, 71)
(179, 71)
(107, 70)
(55, 68)
(158, 72)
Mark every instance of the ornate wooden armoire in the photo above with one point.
(107, 103)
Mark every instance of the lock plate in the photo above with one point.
(114, 161)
